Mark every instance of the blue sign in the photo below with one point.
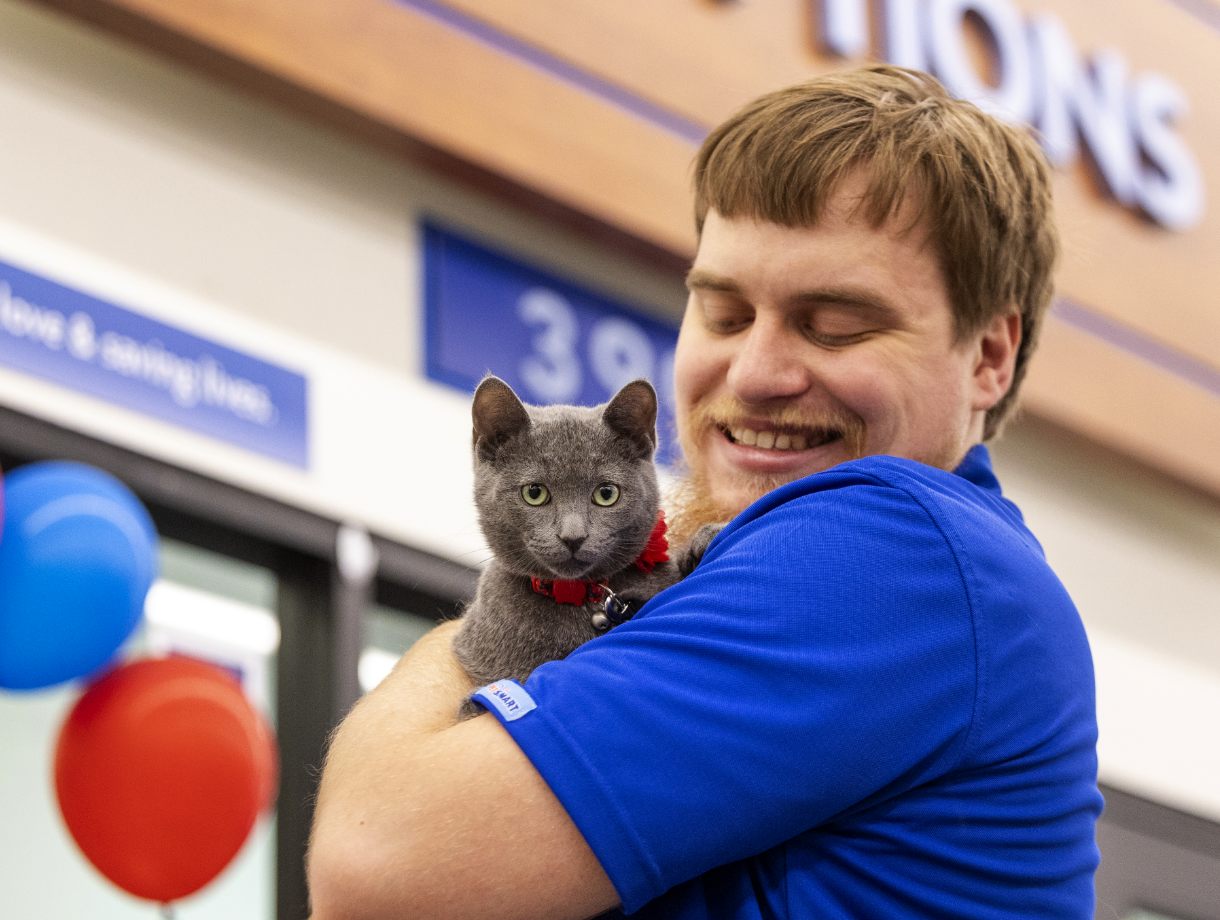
(550, 340)
(94, 347)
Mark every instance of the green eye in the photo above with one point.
(535, 494)
(605, 495)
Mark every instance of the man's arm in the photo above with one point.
(420, 817)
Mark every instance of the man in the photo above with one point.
(872, 698)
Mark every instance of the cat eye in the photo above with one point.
(606, 494)
(535, 494)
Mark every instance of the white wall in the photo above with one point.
(1141, 558)
(144, 184)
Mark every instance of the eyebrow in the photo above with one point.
(850, 297)
(700, 279)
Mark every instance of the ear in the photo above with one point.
(632, 415)
(498, 416)
(995, 358)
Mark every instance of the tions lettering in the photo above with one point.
(1125, 121)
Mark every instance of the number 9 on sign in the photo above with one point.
(619, 352)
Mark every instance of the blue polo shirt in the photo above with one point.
(873, 698)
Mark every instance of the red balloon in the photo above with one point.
(161, 769)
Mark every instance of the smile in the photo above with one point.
(773, 440)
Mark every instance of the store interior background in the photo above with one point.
(172, 191)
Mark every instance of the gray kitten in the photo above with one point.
(564, 494)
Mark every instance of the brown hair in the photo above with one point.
(983, 184)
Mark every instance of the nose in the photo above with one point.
(771, 362)
(572, 531)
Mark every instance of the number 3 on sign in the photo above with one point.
(553, 372)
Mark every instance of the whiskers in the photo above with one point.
(477, 558)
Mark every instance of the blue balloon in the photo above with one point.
(78, 557)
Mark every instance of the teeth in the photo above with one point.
(768, 440)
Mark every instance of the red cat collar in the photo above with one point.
(580, 593)
(571, 592)
(656, 549)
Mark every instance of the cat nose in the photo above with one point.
(573, 529)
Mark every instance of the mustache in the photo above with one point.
(727, 412)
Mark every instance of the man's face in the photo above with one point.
(802, 348)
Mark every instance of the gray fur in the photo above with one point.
(508, 630)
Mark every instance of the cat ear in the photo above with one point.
(632, 415)
(498, 416)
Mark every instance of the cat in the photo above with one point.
(569, 504)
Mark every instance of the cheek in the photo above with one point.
(868, 388)
(932, 401)
(694, 367)
(895, 397)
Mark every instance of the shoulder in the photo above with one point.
(859, 549)
(849, 510)
(884, 538)
(886, 504)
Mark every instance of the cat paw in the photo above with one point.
(693, 552)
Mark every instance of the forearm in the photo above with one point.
(420, 816)
(362, 813)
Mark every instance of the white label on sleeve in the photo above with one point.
(507, 697)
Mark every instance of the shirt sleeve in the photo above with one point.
(819, 660)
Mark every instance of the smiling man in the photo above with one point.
(872, 698)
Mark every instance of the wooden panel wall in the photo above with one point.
(599, 107)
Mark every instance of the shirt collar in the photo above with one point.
(976, 468)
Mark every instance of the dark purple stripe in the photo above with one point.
(1203, 10)
(1190, 369)
(569, 73)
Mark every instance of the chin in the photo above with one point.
(738, 492)
(572, 571)
(711, 494)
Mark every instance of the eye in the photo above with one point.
(723, 315)
(535, 494)
(839, 325)
(837, 341)
(605, 495)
